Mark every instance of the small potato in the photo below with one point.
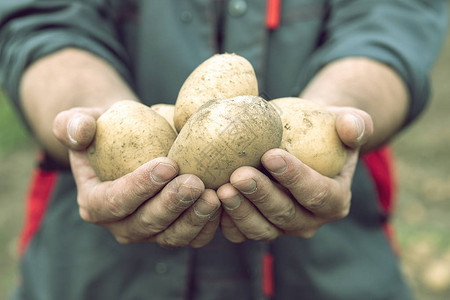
(128, 135)
(219, 77)
(309, 133)
(166, 111)
(224, 135)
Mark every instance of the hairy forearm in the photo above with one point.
(367, 85)
(63, 80)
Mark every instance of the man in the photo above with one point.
(65, 63)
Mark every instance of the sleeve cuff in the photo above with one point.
(416, 81)
(21, 54)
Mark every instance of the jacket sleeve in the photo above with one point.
(32, 29)
(404, 34)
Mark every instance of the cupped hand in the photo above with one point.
(151, 203)
(297, 200)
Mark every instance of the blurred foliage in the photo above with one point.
(423, 207)
(12, 131)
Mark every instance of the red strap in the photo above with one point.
(36, 203)
(267, 275)
(273, 14)
(380, 164)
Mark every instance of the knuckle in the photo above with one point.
(241, 215)
(226, 223)
(194, 222)
(262, 197)
(84, 211)
(85, 215)
(285, 216)
(343, 208)
(114, 207)
(173, 206)
(202, 239)
(150, 223)
(237, 239)
(198, 244)
(168, 241)
(140, 181)
(308, 233)
(123, 240)
(317, 200)
(291, 179)
(306, 230)
(343, 213)
(231, 232)
(264, 235)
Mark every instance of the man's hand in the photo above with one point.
(300, 200)
(150, 204)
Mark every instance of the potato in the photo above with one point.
(128, 135)
(219, 77)
(224, 135)
(309, 133)
(166, 111)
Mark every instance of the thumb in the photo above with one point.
(354, 126)
(75, 128)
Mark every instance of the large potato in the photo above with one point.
(219, 77)
(165, 110)
(224, 135)
(128, 135)
(309, 133)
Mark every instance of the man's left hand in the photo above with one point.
(299, 200)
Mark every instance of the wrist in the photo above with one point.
(367, 85)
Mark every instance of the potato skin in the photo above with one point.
(219, 77)
(224, 135)
(165, 110)
(128, 135)
(309, 133)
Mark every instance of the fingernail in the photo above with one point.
(72, 128)
(247, 186)
(232, 202)
(275, 164)
(187, 193)
(163, 172)
(359, 124)
(203, 208)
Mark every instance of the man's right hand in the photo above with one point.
(151, 203)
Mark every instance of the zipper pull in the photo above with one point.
(273, 14)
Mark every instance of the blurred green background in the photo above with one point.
(423, 210)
